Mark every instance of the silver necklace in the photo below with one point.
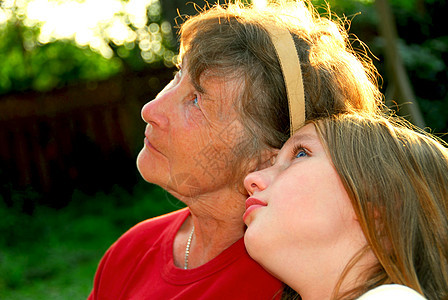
(187, 249)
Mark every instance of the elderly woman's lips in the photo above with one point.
(251, 205)
(149, 145)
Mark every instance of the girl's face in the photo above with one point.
(298, 212)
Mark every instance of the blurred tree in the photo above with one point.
(175, 10)
(400, 87)
(96, 62)
(421, 41)
(46, 44)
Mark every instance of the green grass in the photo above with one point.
(53, 254)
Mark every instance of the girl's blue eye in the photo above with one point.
(196, 102)
(301, 153)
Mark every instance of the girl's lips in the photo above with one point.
(254, 201)
(251, 205)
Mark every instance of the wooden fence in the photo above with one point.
(79, 135)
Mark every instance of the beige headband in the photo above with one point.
(292, 74)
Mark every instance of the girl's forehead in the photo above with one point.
(304, 134)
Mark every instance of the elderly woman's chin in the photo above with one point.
(147, 167)
(181, 185)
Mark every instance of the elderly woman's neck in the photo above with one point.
(217, 223)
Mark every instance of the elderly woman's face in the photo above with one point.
(190, 136)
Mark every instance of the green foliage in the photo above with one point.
(422, 44)
(428, 70)
(35, 59)
(26, 64)
(53, 254)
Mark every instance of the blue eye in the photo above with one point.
(301, 153)
(196, 102)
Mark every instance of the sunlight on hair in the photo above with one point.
(260, 3)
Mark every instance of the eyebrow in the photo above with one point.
(303, 137)
(197, 85)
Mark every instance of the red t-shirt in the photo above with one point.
(139, 265)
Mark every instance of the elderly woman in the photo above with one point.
(354, 206)
(226, 113)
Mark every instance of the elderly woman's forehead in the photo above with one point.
(211, 78)
(220, 87)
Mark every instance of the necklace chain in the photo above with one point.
(187, 249)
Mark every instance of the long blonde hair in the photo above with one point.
(397, 180)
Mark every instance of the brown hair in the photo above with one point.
(231, 42)
(397, 180)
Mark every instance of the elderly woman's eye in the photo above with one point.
(196, 102)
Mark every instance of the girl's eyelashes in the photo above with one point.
(299, 151)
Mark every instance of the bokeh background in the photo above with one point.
(73, 78)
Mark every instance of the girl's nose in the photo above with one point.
(257, 181)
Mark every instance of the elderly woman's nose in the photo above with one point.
(257, 181)
(154, 113)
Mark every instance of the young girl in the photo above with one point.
(354, 206)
